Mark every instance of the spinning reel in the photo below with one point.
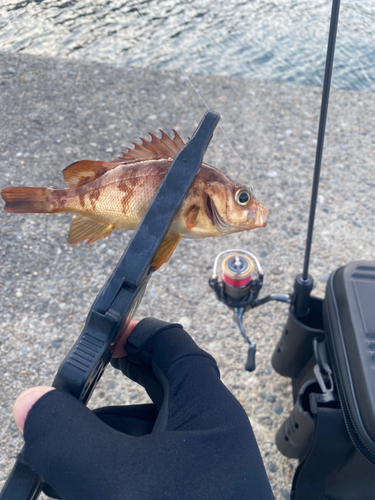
(239, 287)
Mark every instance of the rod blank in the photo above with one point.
(321, 131)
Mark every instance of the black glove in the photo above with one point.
(194, 442)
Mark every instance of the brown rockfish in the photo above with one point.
(109, 195)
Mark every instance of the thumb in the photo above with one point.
(72, 450)
(25, 401)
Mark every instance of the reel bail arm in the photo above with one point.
(278, 297)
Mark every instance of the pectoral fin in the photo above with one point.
(167, 247)
(82, 228)
(191, 220)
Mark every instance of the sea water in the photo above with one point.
(280, 40)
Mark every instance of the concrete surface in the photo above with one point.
(54, 113)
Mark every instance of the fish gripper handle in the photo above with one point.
(118, 300)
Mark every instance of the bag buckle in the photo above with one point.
(323, 375)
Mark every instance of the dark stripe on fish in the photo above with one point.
(214, 216)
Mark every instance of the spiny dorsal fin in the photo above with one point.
(165, 147)
(82, 228)
(84, 171)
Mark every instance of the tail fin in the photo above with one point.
(26, 200)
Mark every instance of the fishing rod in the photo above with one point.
(241, 272)
(304, 282)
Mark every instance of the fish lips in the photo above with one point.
(260, 220)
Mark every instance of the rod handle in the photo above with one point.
(302, 291)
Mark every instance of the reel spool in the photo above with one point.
(241, 278)
(236, 272)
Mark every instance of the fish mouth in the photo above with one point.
(261, 218)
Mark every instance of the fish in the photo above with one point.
(116, 194)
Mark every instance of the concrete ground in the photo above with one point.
(53, 113)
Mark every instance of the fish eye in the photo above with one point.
(243, 196)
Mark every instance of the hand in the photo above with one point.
(25, 401)
(28, 398)
(194, 442)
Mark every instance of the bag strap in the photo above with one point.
(329, 448)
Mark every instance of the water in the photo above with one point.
(280, 40)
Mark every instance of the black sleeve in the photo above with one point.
(198, 445)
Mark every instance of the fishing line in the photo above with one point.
(153, 32)
(225, 135)
(204, 102)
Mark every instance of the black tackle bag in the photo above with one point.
(331, 430)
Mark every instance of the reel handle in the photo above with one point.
(250, 363)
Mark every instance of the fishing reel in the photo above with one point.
(239, 287)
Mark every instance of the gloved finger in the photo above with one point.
(143, 375)
(190, 388)
(135, 420)
(193, 392)
(119, 350)
(25, 401)
(137, 365)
